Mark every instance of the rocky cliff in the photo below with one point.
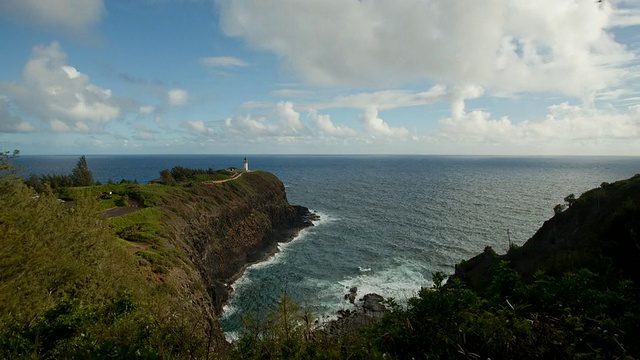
(600, 231)
(224, 227)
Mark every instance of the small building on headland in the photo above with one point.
(246, 164)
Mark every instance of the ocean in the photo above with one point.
(387, 223)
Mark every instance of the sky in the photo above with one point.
(464, 77)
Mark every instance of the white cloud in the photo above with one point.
(60, 95)
(144, 135)
(503, 46)
(565, 129)
(626, 17)
(177, 97)
(324, 124)
(146, 109)
(290, 119)
(70, 15)
(197, 127)
(10, 123)
(462, 93)
(246, 125)
(291, 92)
(161, 123)
(377, 127)
(222, 61)
(384, 100)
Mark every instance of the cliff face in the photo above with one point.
(599, 231)
(224, 227)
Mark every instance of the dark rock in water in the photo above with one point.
(351, 295)
(350, 321)
(373, 303)
(307, 217)
(343, 313)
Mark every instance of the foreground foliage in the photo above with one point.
(578, 315)
(75, 286)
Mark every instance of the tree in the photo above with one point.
(81, 175)
(167, 178)
(6, 155)
(570, 199)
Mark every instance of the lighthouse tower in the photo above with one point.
(246, 164)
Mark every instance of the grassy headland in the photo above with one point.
(76, 283)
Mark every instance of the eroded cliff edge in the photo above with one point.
(224, 227)
(599, 231)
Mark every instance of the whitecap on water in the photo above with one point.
(401, 280)
(245, 280)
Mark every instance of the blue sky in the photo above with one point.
(550, 77)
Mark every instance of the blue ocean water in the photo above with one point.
(387, 222)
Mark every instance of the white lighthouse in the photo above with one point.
(246, 164)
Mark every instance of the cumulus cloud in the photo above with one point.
(290, 119)
(70, 15)
(462, 93)
(503, 46)
(247, 125)
(222, 61)
(374, 125)
(324, 124)
(60, 95)
(564, 127)
(177, 97)
(10, 123)
(197, 127)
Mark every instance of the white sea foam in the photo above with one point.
(400, 282)
(231, 307)
(283, 246)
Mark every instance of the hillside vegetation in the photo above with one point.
(148, 284)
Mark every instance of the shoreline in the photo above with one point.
(264, 253)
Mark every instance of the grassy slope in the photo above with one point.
(63, 270)
(122, 285)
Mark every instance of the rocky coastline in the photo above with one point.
(369, 308)
(270, 247)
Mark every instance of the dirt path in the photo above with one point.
(235, 176)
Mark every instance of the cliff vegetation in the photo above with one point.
(140, 271)
(129, 270)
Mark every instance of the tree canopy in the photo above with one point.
(81, 174)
